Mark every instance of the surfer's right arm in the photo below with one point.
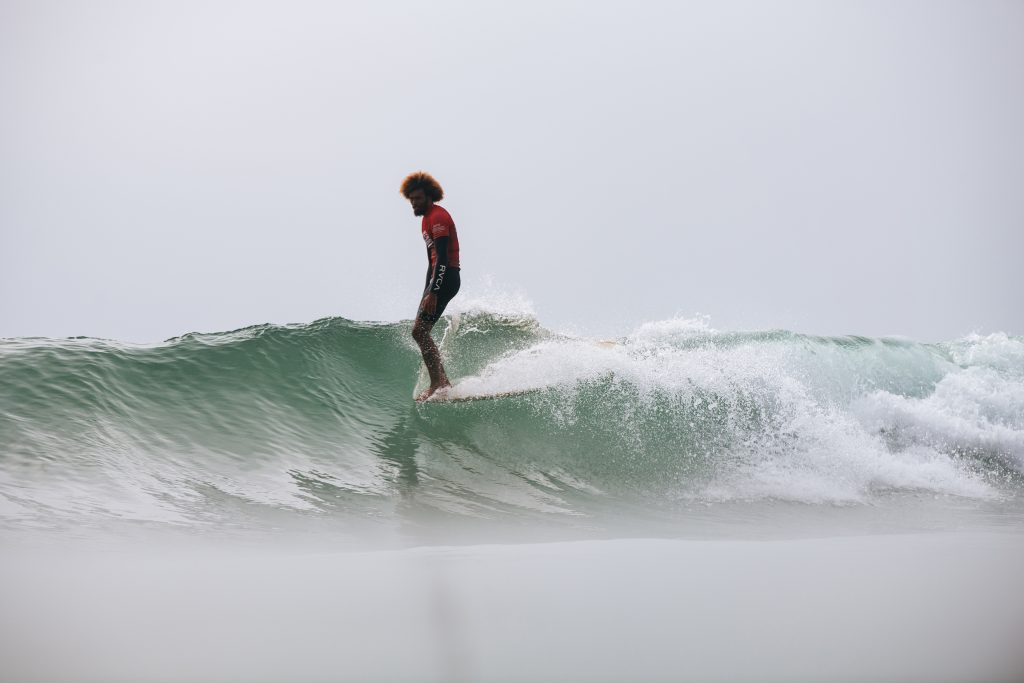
(435, 275)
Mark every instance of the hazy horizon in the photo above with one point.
(847, 168)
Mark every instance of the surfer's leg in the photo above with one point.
(421, 333)
(431, 356)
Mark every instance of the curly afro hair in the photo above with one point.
(421, 180)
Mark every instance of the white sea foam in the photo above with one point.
(814, 447)
(492, 301)
(671, 330)
(974, 409)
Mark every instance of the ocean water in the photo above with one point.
(798, 464)
(311, 428)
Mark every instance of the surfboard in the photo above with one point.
(453, 395)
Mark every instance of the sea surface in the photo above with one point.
(804, 466)
(311, 429)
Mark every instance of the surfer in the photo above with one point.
(438, 230)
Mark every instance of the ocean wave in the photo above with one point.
(317, 420)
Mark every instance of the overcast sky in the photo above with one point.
(825, 167)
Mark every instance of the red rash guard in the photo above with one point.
(438, 223)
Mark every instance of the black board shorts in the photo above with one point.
(449, 288)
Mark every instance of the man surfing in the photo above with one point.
(438, 230)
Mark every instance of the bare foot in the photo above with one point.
(431, 390)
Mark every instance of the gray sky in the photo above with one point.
(824, 167)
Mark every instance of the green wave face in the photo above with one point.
(314, 424)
